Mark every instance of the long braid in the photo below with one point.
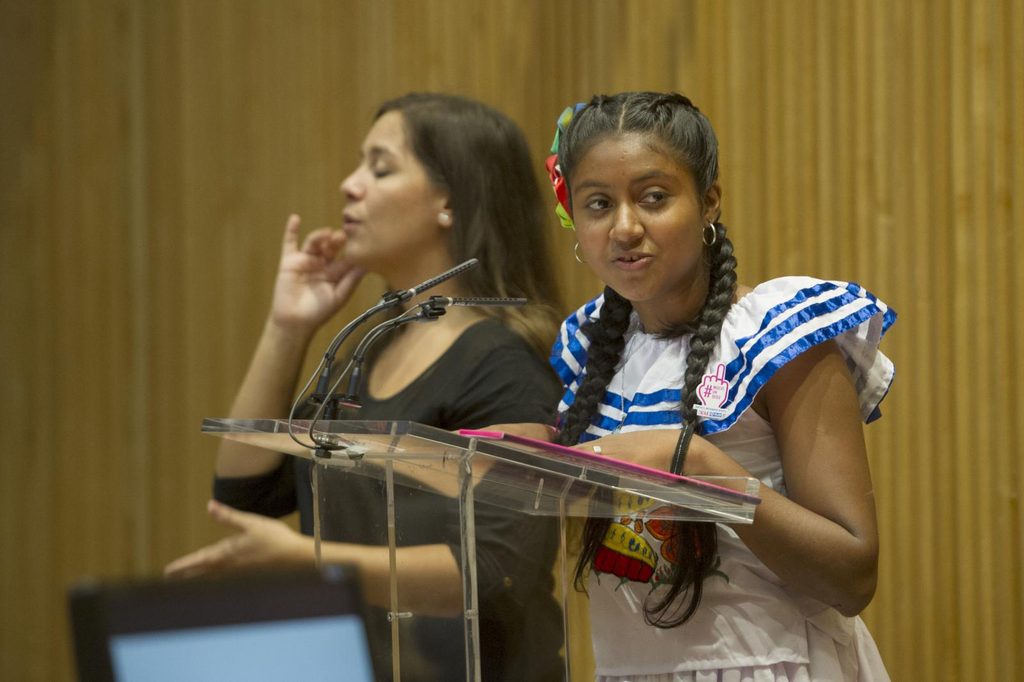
(697, 542)
(607, 337)
(721, 291)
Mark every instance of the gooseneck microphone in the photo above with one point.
(389, 300)
(322, 374)
(403, 296)
(446, 301)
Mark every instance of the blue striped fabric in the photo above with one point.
(770, 326)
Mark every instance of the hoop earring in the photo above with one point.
(576, 254)
(714, 235)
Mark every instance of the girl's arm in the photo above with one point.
(822, 540)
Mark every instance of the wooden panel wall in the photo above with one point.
(151, 151)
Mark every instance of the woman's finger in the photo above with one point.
(290, 241)
(196, 563)
(319, 242)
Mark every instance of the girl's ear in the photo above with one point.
(713, 203)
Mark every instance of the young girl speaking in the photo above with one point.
(677, 366)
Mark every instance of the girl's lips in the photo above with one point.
(633, 262)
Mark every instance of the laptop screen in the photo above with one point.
(268, 626)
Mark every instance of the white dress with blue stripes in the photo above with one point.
(749, 625)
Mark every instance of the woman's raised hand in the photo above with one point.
(312, 282)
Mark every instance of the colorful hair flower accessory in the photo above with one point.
(555, 172)
(561, 193)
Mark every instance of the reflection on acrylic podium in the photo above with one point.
(397, 484)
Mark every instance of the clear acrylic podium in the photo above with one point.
(392, 484)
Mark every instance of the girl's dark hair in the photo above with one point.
(481, 159)
(687, 134)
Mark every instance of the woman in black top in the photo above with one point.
(442, 179)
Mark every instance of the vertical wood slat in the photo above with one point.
(966, 470)
(1014, 87)
(919, 228)
(871, 141)
(1004, 482)
(27, 148)
(986, 498)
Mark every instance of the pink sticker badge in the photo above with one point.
(712, 393)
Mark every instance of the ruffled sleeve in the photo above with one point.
(782, 318)
(765, 329)
(569, 353)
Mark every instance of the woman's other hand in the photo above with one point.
(261, 542)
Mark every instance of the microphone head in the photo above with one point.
(443, 277)
(484, 301)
